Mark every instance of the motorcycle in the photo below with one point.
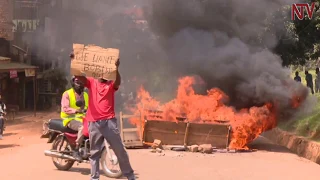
(63, 142)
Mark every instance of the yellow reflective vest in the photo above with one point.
(72, 100)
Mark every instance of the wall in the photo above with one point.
(6, 16)
(301, 146)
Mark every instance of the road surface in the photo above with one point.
(22, 158)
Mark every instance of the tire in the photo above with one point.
(57, 142)
(103, 162)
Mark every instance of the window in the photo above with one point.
(26, 9)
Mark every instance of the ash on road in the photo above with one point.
(22, 158)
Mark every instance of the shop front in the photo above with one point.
(18, 85)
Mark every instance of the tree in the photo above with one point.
(301, 42)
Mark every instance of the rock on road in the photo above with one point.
(22, 158)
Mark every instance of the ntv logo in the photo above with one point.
(297, 9)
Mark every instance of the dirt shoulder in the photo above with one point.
(25, 130)
(299, 145)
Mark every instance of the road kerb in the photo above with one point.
(299, 145)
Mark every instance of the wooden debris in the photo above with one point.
(156, 144)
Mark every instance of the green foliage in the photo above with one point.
(309, 125)
(301, 47)
(301, 42)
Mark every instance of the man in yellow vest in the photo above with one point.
(71, 114)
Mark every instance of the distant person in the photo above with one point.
(317, 81)
(297, 77)
(2, 113)
(309, 81)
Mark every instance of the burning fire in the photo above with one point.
(247, 124)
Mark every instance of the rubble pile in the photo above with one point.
(157, 147)
(203, 148)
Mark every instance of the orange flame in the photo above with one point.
(247, 124)
(296, 101)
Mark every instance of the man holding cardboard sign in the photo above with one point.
(100, 113)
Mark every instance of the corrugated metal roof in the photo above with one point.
(15, 66)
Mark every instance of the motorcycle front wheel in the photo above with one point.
(60, 144)
(110, 167)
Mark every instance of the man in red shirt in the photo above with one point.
(103, 123)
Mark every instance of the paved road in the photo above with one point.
(21, 158)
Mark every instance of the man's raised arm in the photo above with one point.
(83, 80)
(117, 82)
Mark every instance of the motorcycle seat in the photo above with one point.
(57, 125)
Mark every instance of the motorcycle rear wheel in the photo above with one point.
(105, 160)
(59, 141)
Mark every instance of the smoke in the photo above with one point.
(229, 44)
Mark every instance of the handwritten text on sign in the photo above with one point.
(94, 61)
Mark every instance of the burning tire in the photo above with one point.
(58, 145)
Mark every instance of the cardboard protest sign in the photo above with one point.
(94, 61)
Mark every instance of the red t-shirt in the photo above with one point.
(101, 100)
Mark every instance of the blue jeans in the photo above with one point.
(98, 132)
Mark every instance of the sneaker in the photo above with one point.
(1, 137)
(77, 156)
